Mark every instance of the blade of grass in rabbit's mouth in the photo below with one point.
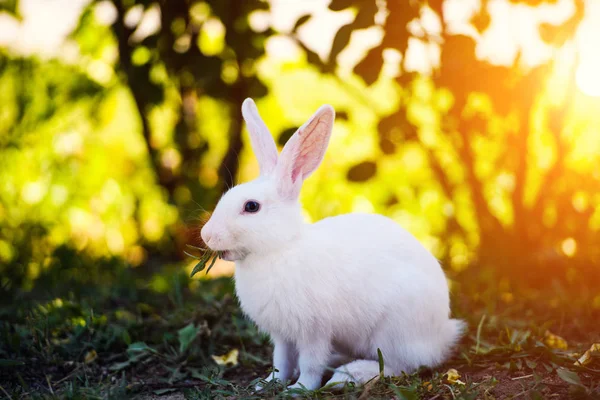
(207, 255)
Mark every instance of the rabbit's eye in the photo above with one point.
(251, 206)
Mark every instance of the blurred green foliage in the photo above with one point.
(513, 188)
(115, 148)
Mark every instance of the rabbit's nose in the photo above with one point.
(206, 234)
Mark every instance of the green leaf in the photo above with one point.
(569, 377)
(164, 391)
(10, 363)
(530, 363)
(339, 5)
(362, 171)
(365, 17)
(119, 366)
(381, 364)
(191, 255)
(312, 57)
(196, 247)
(126, 338)
(301, 21)
(11, 7)
(479, 328)
(370, 66)
(186, 337)
(199, 267)
(519, 364)
(285, 135)
(212, 263)
(139, 347)
(202, 262)
(405, 393)
(340, 41)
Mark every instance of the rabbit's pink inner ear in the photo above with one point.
(262, 142)
(313, 140)
(304, 152)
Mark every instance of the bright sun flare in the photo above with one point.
(588, 78)
(587, 75)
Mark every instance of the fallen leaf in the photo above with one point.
(230, 358)
(186, 337)
(569, 376)
(554, 341)
(586, 358)
(90, 356)
(453, 376)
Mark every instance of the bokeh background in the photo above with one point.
(475, 124)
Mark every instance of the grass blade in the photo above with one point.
(212, 263)
(381, 364)
(191, 255)
(479, 327)
(202, 263)
(196, 247)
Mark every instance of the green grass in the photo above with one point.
(142, 334)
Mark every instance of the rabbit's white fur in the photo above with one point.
(344, 286)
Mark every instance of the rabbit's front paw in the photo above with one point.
(268, 382)
(312, 383)
(260, 386)
(297, 390)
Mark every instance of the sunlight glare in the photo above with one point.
(588, 78)
(587, 75)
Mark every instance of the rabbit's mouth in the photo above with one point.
(233, 255)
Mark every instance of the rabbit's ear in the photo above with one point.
(262, 142)
(303, 153)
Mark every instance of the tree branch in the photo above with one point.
(123, 33)
(487, 221)
(521, 168)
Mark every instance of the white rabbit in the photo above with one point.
(344, 286)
